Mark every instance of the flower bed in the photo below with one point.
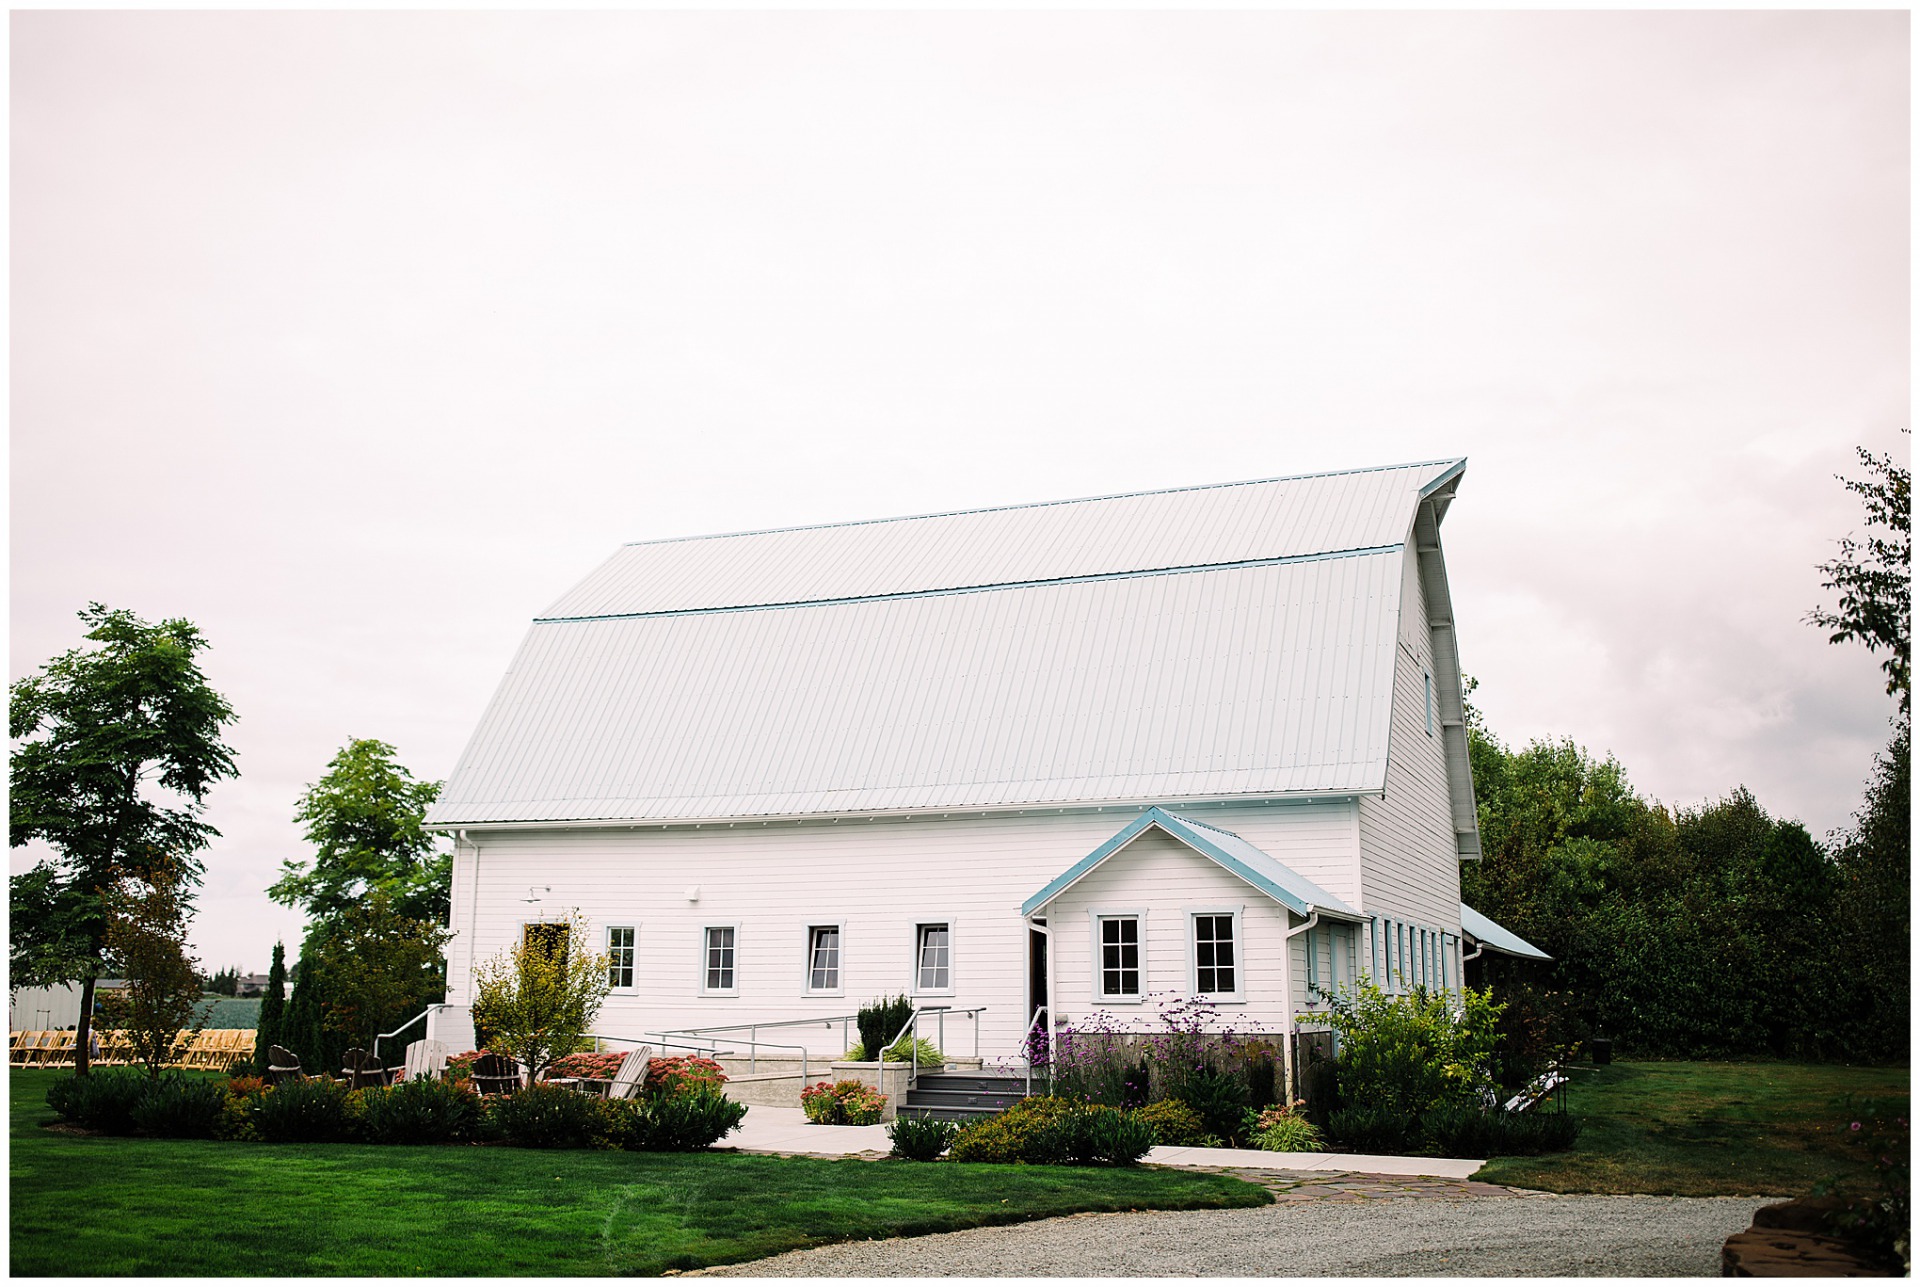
(843, 1103)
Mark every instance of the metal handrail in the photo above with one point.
(753, 1029)
(437, 1005)
(912, 1028)
(712, 1047)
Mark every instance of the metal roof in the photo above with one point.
(1205, 643)
(1496, 937)
(1255, 866)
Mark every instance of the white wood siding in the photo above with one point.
(1408, 852)
(876, 879)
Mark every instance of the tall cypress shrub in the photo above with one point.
(273, 1008)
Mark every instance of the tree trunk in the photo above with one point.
(83, 1030)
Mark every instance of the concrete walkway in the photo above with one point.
(786, 1130)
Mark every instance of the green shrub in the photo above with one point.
(180, 1108)
(1220, 1100)
(1114, 1136)
(300, 1112)
(1008, 1136)
(880, 1020)
(421, 1111)
(1470, 1131)
(102, 1101)
(1406, 1054)
(1284, 1130)
(920, 1139)
(927, 1053)
(545, 1116)
(236, 1122)
(1373, 1130)
(1174, 1124)
(689, 1122)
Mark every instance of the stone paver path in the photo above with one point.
(1360, 1186)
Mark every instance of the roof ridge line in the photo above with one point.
(978, 589)
(1071, 500)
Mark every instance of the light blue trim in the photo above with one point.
(1194, 836)
(1496, 937)
(1459, 468)
(982, 588)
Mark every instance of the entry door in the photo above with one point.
(1036, 972)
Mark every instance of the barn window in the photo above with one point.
(548, 941)
(935, 958)
(823, 958)
(620, 956)
(1120, 956)
(1215, 968)
(720, 945)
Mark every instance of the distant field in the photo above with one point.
(1704, 1129)
(231, 1012)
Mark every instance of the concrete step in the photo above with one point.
(992, 1083)
(970, 1099)
(947, 1114)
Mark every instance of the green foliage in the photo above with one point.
(1284, 1130)
(548, 1116)
(880, 1020)
(536, 1001)
(921, 1139)
(1016, 1135)
(900, 1052)
(421, 1111)
(1464, 1130)
(1220, 1098)
(1866, 1002)
(1374, 1130)
(115, 750)
(273, 1008)
(180, 1108)
(842, 1103)
(688, 1122)
(1404, 1054)
(363, 818)
(1874, 577)
(146, 936)
(301, 1112)
(1174, 1124)
(101, 1101)
(376, 968)
(1880, 1221)
(1094, 1134)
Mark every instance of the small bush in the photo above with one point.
(1220, 1100)
(1101, 1134)
(920, 1139)
(1479, 1132)
(1285, 1130)
(597, 1065)
(878, 1021)
(843, 1103)
(1020, 1134)
(300, 1112)
(180, 1108)
(1173, 1123)
(691, 1121)
(421, 1111)
(917, 1048)
(682, 1074)
(102, 1101)
(543, 1116)
(1373, 1130)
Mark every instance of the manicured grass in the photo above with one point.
(1700, 1129)
(103, 1206)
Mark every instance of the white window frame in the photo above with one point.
(839, 927)
(1237, 911)
(920, 924)
(706, 991)
(1095, 916)
(633, 964)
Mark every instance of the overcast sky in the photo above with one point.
(357, 338)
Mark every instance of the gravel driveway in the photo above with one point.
(1534, 1235)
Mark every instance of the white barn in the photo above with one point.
(1050, 758)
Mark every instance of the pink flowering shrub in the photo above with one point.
(683, 1075)
(597, 1065)
(843, 1103)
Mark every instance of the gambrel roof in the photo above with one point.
(1233, 641)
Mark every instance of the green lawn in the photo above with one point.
(96, 1205)
(1700, 1129)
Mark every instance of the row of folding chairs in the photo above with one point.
(214, 1048)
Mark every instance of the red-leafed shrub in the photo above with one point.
(683, 1075)
(598, 1065)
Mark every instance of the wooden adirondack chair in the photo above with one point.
(631, 1075)
(496, 1075)
(424, 1058)
(283, 1066)
(360, 1069)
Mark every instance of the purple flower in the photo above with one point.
(1854, 1127)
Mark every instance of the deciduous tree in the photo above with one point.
(537, 1000)
(1874, 576)
(146, 938)
(116, 747)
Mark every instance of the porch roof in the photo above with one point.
(1495, 937)
(1260, 869)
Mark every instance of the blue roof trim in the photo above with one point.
(1305, 900)
(1459, 467)
(1496, 937)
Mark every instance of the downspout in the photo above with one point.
(473, 913)
(1286, 986)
